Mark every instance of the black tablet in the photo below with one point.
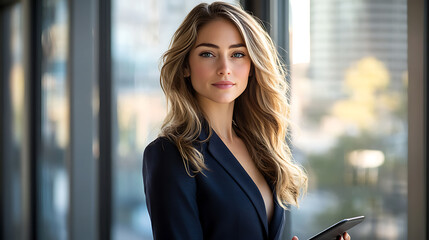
(332, 232)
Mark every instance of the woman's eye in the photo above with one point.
(206, 54)
(238, 55)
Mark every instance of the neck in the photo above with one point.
(219, 115)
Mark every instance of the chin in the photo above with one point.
(219, 99)
(224, 100)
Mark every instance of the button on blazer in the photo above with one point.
(223, 204)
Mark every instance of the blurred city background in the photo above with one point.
(348, 68)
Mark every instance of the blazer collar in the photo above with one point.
(278, 217)
(221, 153)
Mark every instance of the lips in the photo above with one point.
(223, 84)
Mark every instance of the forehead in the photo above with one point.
(219, 30)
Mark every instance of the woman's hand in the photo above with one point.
(345, 236)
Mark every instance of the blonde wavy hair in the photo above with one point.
(261, 113)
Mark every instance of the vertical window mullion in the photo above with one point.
(417, 117)
(81, 159)
(35, 59)
(105, 121)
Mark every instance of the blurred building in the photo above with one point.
(344, 32)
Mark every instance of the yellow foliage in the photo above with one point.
(365, 81)
(354, 112)
(367, 75)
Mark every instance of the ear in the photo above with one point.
(186, 71)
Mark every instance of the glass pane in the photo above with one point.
(52, 175)
(141, 32)
(13, 122)
(349, 93)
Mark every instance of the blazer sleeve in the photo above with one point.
(170, 193)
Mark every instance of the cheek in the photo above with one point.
(200, 75)
(243, 70)
(200, 70)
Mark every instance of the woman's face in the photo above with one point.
(219, 63)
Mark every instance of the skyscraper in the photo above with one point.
(343, 32)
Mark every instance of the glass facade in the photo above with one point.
(52, 171)
(349, 99)
(12, 112)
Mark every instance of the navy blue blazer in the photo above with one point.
(224, 204)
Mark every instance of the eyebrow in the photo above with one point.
(216, 46)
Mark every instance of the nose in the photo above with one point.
(224, 67)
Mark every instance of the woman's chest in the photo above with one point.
(226, 205)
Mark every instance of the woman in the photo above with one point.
(221, 168)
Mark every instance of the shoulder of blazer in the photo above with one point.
(162, 163)
(163, 168)
(161, 144)
(162, 155)
(171, 192)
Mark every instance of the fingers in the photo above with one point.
(295, 238)
(345, 236)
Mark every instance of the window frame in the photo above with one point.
(417, 119)
(82, 81)
(105, 120)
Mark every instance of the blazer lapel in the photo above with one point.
(231, 165)
(277, 220)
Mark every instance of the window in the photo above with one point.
(349, 84)
(12, 124)
(349, 98)
(52, 173)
